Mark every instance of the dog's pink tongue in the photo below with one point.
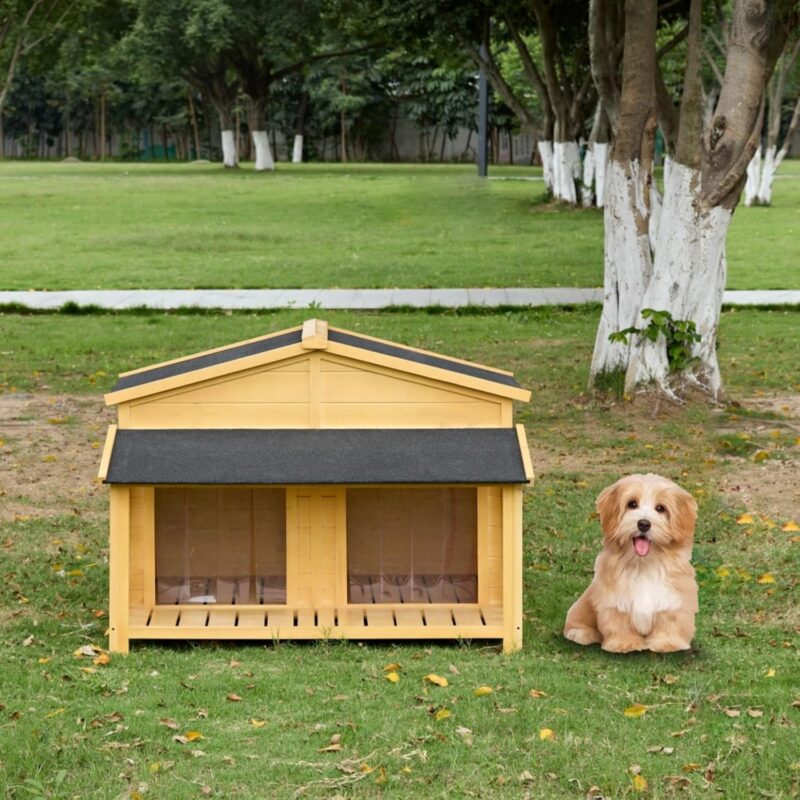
(641, 546)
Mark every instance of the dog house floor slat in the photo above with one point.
(252, 618)
(438, 615)
(369, 621)
(164, 617)
(221, 618)
(280, 618)
(380, 617)
(193, 617)
(408, 617)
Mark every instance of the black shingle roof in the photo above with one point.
(332, 456)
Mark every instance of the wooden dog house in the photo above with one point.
(315, 483)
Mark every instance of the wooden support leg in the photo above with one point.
(512, 568)
(119, 568)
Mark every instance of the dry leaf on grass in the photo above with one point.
(755, 713)
(482, 691)
(766, 578)
(436, 680)
(392, 677)
(770, 673)
(234, 698)
(334, 746)
(790, 527)
(442, 713)
(169, 723)
(639, 783)
(393, 667)
(536, 694)
(745, 519)
(636, 710)
(547, 734)
(258, 723)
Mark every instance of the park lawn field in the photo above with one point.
(117, 225)
(258, 720)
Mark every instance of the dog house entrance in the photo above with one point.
(220, 545)
(415, 545)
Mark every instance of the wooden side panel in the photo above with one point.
(142, 548)
(493, 554)
(260, 398)
(118, 568)
(355, 395)
(325, 564)
(298, 542)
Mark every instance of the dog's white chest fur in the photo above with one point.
(642, 593)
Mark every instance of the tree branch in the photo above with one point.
(672, 43)
(713, 64)
(604, 77)
(667, 112)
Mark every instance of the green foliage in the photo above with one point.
(679, 337)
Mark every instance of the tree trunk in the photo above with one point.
(753, 182)
(264, 159)
(193, 118)
(103, 126)
(627, 258)
(545, 148)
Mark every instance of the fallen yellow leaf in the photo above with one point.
(392, 677)
(639, 783)
(745, 519)
(102, 659)
(393, 667)
(234, 698)
(770, 673)
(536, 694)
(258, 723)
(790, 527)
(193, 736)
(442, 713)
(44, 659)
(482, 691)
(766, 578)
(723, 572)
(437, 680)
(692, 766)
(547, 734)
(636, 710)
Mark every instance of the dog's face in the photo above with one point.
(643, 513)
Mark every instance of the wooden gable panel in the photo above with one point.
(352, 394)
(261, 398)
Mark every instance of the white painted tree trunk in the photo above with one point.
(656, 204)
(688, 280)
(566, 170)
(589, 170)
(753, 182)
(230, 158)
(600, 168)
(297, 150)
(264, 160)
(545, 148)
(768, 168)
(627, 262)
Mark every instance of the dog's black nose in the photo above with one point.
(643, 525)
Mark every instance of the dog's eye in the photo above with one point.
(661, 509)
(633, 504)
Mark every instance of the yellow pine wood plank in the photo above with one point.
(252, 617)
(305, 617)
(326, 618)
(119, 568)
(194, 618)
(315, 334)
(410, 415)
(108, 448)
(424, 352)
(408, 617)
(438, 616)
(204, 374)
(149, 546)
(380, 617)
(220, 415)
(207, 352)
(525, 452)
(138, 616)
(280, 618)
(164, 617)
(466, 616)
(493, 615)
(352, 617)
(436, 373)
(221, 617)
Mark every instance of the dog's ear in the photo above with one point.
(685, 513)
(608, 507)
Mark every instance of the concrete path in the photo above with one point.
(344, 298)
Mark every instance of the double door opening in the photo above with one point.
(366, 545)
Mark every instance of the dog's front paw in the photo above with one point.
(582, 635)
(620, 644)
(664, 644)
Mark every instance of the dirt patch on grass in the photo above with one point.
(50, 451)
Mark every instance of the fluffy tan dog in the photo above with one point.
(644, 594)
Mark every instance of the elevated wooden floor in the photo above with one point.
(407, 621)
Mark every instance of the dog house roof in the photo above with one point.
(312, 335)
(318, 456)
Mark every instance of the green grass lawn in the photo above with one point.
(721, 720)
(88, 226)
